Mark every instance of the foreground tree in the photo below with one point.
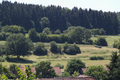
(97, 72)
(18, 45)
(74, 65)
(12, 68)
(114, 67)
(45, 71)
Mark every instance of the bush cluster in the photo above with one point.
(3, 36)
(2, 59)
(40, 49)
(61, 38)
(54, 48)
(71, 49)
(96, 58)
(116, 44)
(101, 41)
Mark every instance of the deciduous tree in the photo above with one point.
(74, 65)
(97, 72)
(18, 45)
(44, 70)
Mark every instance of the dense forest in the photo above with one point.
(56, 17)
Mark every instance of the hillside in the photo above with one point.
(30, 16)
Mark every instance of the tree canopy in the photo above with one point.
(74, 65)
(97, 72)
(56, 17)
(18, 45)
(45, 71)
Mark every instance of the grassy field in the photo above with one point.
(86, 52)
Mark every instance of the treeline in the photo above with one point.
(56, 17)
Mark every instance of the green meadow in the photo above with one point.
(86, 52)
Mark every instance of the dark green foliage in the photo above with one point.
(7, 73)
(102, 31)
(54, 47)
(56, 17)
(2, 50)
(96, 58)
(43, 37)
(12, 68)
(74, 65)
(87, 35)
(71, 49)
(101, 41)
(39, 49)
(46, 30)
(95, 32)
(55, 38)
(45, 22)
(2, 59)
(59, 65)
(97, 72)
(33, 35)
(13, 29)
(18, 45)
(76, 35)
(116, 44)
(90, 41)
(0, 68)
(114, 67)
(44, 70)
(63, 38)
(4, 35)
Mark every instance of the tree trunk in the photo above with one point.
(18, 57)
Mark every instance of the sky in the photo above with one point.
(104, 5)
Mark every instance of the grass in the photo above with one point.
(86, 52)
(110, 38)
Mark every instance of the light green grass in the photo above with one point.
(86, 52)
(110, 39)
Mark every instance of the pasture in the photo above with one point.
(86, 52)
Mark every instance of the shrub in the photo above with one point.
(13, 29)
(12, 68)
(59, 65)
(101, 41)
(2, 59)
(71, 49)
(90, 41)
(116, 44)
(4, 35)
(39, 49)
(0, 68)
(96, 58)
(54, 47)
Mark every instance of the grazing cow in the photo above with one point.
(65, 56)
